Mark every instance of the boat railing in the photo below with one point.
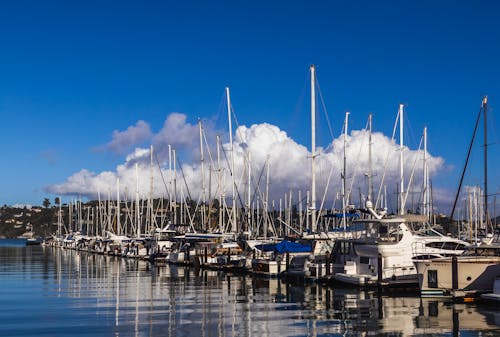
(394, 271)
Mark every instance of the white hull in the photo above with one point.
(475, 274)
(356, 279)
(391, 254)
(269, 268)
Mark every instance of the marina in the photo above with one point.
(356, 244)
(53, 292)
(217, 264)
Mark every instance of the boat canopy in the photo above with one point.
(285, 246)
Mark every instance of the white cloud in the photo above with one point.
(289, 163)
(122, 141)
(182, 136)
(177, 132)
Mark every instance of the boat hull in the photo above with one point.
(474, 275)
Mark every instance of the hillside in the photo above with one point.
(14, 221)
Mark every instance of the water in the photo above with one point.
(12, 242)
(52, 292)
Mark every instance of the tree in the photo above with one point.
(57, 201)
(46, 202)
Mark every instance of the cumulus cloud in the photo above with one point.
(123, 141)
(289, 165)
(177, 132)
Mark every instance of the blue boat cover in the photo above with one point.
(285, 246)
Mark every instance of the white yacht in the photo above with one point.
(473, 272)
(386, 253)
(270, 260)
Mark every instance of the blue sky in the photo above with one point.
(73, 72)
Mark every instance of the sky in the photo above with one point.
(87, 86)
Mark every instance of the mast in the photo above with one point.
(70, 216)
(202, 160)
(385, 196)
(485, 109)
(219, 186)
(308, 203)
(313, 149)
(466, 161)
(150, 199)
(59, 219)
(175, 183)
(80, 218)
(289, 219)
(425, 208)
(401, 160)
(344, 182)
(137, 216)
(108, 225)
(234, 228)
(118, 224)
(249, 158)
(300, 212)
(170, 190)
(370, 163)
(266, 222)
(99, 214)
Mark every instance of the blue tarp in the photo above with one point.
(285, 247)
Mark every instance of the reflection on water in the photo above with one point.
(54, 292)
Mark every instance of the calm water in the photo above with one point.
(51, 292)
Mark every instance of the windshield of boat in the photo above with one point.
(423, 229)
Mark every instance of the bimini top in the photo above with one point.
(285, 246)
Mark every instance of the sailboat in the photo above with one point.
(272, 262)
(477, 269)
(385, 251)
(31, 240)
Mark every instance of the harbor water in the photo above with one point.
(47, 291)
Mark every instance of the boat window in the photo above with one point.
(434, 245)
(432, 278)
(427, 232)
(450, 245)
(364, 260)
(433, 309)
